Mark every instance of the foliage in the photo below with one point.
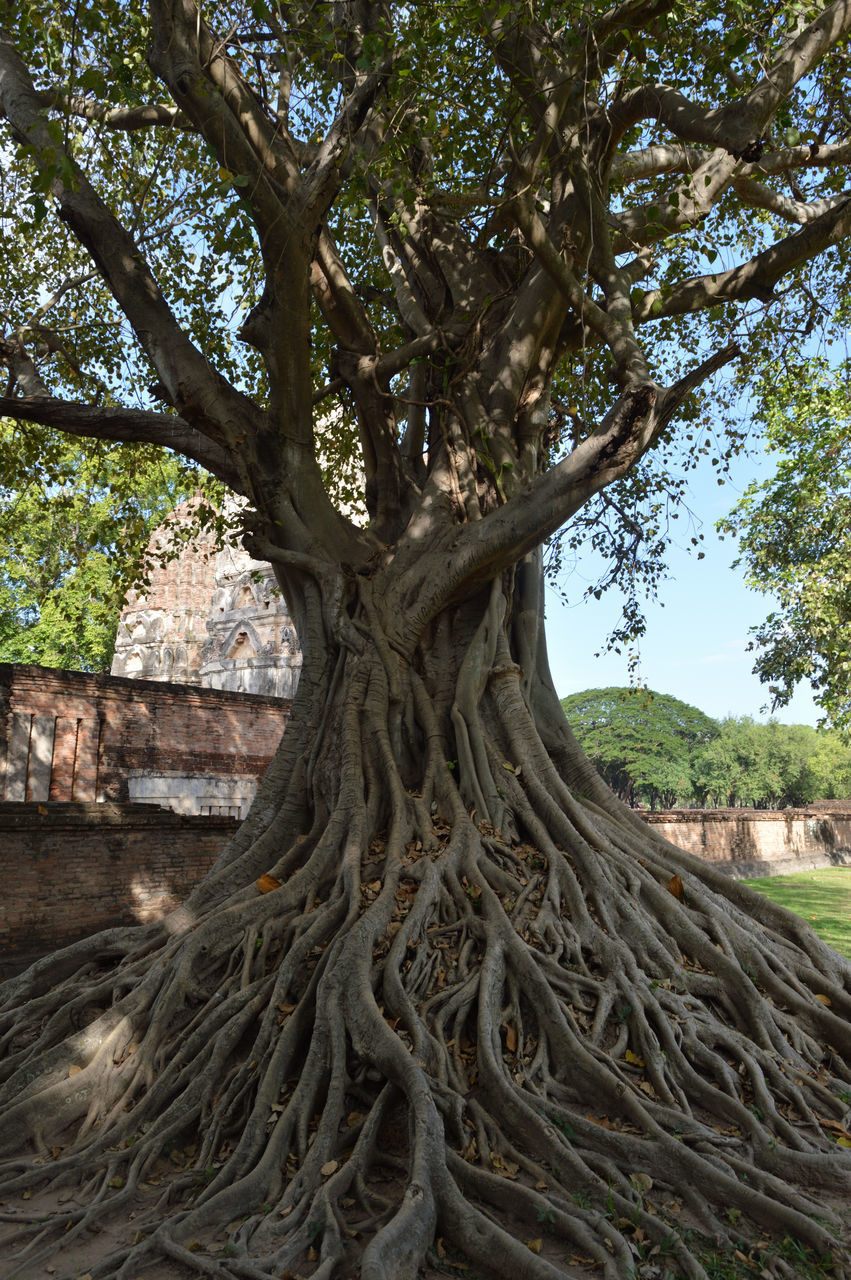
(653, 749)
(766, 766)
(74, 529)
(794, 531)
(486, 254)
(643, 743)
(821, 897)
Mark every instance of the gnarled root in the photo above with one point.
(488, 1019)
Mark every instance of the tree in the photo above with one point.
(830, 767)
(642, 742)
(75, 520)
(766, 766)
(441, 984)
(795, 535)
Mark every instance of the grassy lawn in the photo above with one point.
(822, 897)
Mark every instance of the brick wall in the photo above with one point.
(68, 870)
(69, 736)
(760, 842)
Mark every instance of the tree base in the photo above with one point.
(432, 1043)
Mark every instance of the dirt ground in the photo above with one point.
(25, 1253)
(74, 1258)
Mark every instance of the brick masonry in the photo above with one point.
(760, 842)
(69, 736)
(68, 870)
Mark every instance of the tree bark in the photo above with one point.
(442, 986)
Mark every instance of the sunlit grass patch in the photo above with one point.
(821, 897)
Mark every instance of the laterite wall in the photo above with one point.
(67, 870)
(758, 842)
(70, 736)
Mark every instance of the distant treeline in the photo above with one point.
(654, 750)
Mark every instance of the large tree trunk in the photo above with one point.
(441, 987)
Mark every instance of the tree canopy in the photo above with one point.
(75, 521)
(795, 535)
(443, 995)
(653, 749)
(643, 743)
(766, 766)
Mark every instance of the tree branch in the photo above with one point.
(621, 341)
(800, 211)
(738, 125)
(198, 391)
(231, 118)
(755, 278)
(629, 430)
(652, 162)
(124, 119)
(129, 426)
(689, 203)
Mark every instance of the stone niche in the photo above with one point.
(210, 616)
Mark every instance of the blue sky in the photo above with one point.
(697, 634)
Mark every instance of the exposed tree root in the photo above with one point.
(483, 1007)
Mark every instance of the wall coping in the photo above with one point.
(56, 814)
(20, 675)
(740, 815)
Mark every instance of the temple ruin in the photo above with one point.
(210, 616)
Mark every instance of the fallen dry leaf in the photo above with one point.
(267, 883)
(675, 886)
(330, 1166)
(824, 999)
(535, 1245)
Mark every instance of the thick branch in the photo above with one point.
(193, 386)
(800, 211)
(208, 87)
(620, 339)
(690, 202)
(629, 430)
(740, 124)
(653, 161)
(755, 278)
(124, 119)
(130, 426)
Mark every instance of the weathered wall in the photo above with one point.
(68, 736)
(757, 842)
(210, 616)
(68, 870)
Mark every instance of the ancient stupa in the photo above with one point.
(210, 616)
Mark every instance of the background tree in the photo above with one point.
(643, 743)
(75, 521)
(493, 250)
(794, 530)
(765, 766)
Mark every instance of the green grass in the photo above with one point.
(821, 897)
